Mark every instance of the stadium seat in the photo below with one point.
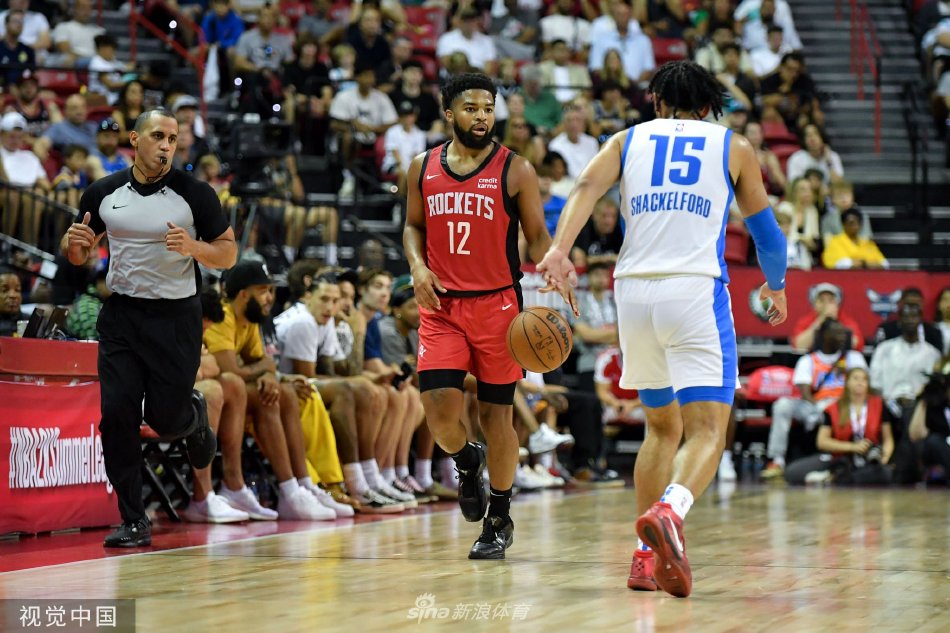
(782, 151)
(433, 17)
(422, 43)
(776, 133)
(62, 82)
(765, 386)
(669, 50)
(294, 11)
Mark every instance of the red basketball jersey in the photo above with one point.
(471, 223)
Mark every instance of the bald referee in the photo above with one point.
(161, 222)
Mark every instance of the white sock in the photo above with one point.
(779, 461)
(305, 482)
(331, 254)
(424, 472)
(288, 487)
(679, 498)
(389, 474)
(641, 546)
(355, 481)
(547, 459)
(402, 471)
(371, 472)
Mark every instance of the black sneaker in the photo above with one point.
(201, 445)
(130, 534)
(473, 500)
(497, 535)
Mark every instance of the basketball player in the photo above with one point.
(465, 200)
(678, 175)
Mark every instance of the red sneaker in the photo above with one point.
(641, 571)
(662, 530)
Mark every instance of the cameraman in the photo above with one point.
(930, 423)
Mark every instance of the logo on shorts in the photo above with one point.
(758, 307)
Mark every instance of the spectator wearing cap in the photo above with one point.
(848, 249)
(39, 113)
(35, 31)
(105, 71)
(409, 88)
(185, 109)
(24, 171)
(15, 55)
(106, 158)
(566, 79)
(826, 301)
(402, 142)
(890, 328)
(470, 39)
(74, 40)
(360, 114)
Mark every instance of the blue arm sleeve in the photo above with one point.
(770, 246)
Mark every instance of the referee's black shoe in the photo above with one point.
(130, 534)
(498, 533)
(201, 444)
(473, 500)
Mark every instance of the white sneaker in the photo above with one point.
(213, 509)
(819, 477)
(245, 501)
(526, 480)
(546, 439)
(549, 480)
(727, 471)
(407, 500)
(325, 499)
(300, 505)
(347, 188)
(371, 502)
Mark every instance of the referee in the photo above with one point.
(160, 222)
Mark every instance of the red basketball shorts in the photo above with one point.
(470, 333)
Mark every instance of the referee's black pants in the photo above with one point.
(148, 349)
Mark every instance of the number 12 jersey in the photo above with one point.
(471, 223)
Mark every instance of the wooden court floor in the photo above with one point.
(764, 559)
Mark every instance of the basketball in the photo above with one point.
(540, 339)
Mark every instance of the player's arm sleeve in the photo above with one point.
(210, 223)
(770, 246)
(89, 203)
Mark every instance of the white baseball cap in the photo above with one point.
(13, 121)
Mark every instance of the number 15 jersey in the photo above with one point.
(675, 192)
(471, 223)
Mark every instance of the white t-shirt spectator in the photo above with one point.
(479, 50)
(801, 161)
(636, 49)
(22, 167)
(574, 31)
(374, 109)
(409, 145)
(99, 65)
(34, 25)
(576, 155)
(755, 32)
(81, 37)
(764, 60)
(900, 369)
(302, 338)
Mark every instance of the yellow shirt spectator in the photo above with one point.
(244, 341)
(848, 250)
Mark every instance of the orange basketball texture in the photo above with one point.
(540, 339)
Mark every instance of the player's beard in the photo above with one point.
(471, 141)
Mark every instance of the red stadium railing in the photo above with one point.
(865, 57)
(136, 18)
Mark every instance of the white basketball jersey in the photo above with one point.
(675, 192)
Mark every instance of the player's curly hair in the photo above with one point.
(687, 87)
(457, 84)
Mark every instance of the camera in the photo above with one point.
(873, 455)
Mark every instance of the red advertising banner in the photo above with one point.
(52, 474)
(869, 297)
